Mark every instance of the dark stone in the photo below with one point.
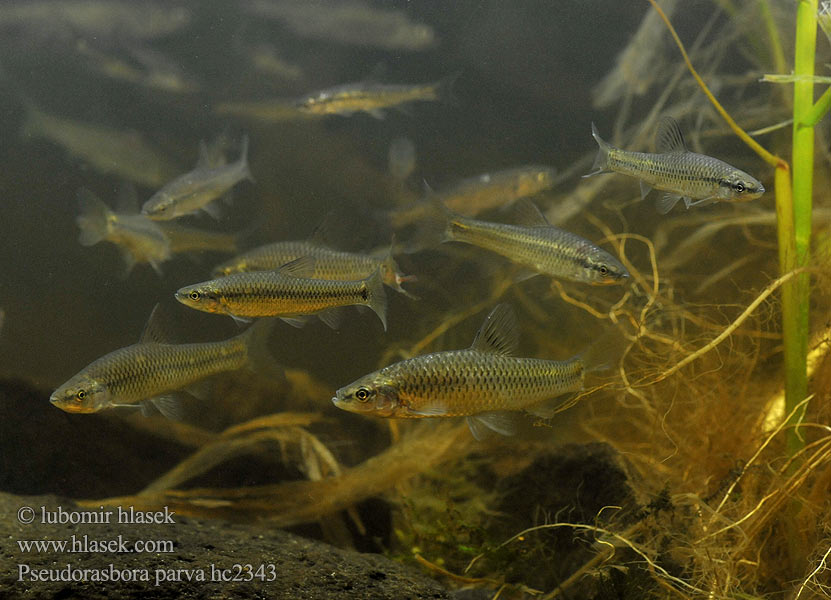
(300, 568)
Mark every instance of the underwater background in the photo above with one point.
(648, 467)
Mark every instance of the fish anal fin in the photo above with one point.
(303, 267)
(499, 333)
(298, 322)
(666, 203)
(332, 317)
(548, 408)
(669, 137)
(645, 189)
(502, 422)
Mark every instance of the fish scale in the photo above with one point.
(695, 175)
(144, 370)
(697, 179)
(329, 263)
(468, 382)
(267, 293)
(287, 293)
(546, 249)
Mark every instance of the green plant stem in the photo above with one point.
(819, 110)
(796, 296)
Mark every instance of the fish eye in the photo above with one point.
(80, 395)
(362, 394)
(739, 187)
(194, 295)
(604, 270)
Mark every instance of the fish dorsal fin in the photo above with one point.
(204, 160)
(157, 329)
(303, 267)
(127, 201)
(499, 333)
(669, 137)
(324, 232)
(527, 214)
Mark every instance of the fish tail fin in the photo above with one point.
(601, 161)
(32, 125)
(243, 160)
(260, 359)
(376, 297)
(93, 218)
(392, 276)
(443, 89)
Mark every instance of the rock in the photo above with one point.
(206, 559)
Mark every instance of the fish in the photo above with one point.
(147, 68)
(401, 158)
(328, 263)
(696, 179)
(289, 293)
(197, 189)
(126, 154)
(481, 193)
(114, 19)
(150, 372)
(484, 383)
(348, 22)
(139, 239)
(190, 239)
(373, 98)
(537, 245)
(265, 58)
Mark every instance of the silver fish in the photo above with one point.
(328, 263)
(348, 22)
(373, 98)
(138, 238)
(197, 189)
(124, 153)
(696, 179)
(482, 382)
(289, 292)
(537, 245)
(151, 371)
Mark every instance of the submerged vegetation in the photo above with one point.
(697, 466)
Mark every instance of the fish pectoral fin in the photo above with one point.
(169, 405)
(703, 202)
(213, 209)
(502, 422)
(499, 334)
(667, 202)
(298, 322)
(332, 317)
(434, 409)
(669, 137)
(524, 275)
(240, 321)
(377, 114)
(645, 189)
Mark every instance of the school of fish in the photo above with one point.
(294, 279)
